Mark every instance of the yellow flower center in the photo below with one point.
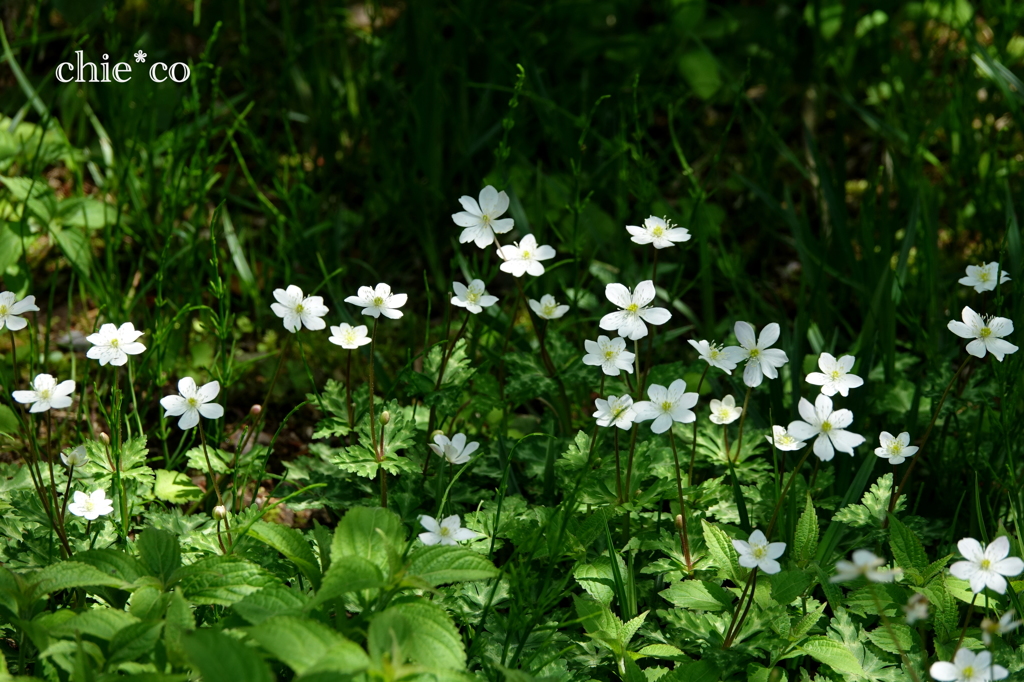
(714, 353)
(759, 552)
(632, 307)
(526, 254)
(472, 297)
(350, 337)
(835, 374)
(486, 220)
(658, 231)
(985, 564)
(983, 276)
(445, 531)
(192, 402)
(826, 427)
(549, 310)
(378, 301)
(609, 354)
(617, 412)
(895, 448)
(114, 343)
(666, 406)
(967, 673)
(723, 413)
(44, 394)
(755, 352)
(985, 333)
(299, 308)
(3, 310)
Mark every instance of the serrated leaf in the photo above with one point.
(423, 633)
(597, 578)
(806, 537)
(222, 580)
(883, 639)
(99, 623)
(175, 487)
(292, 545)
(442, 564)
(698, 595)
(160, 552)
(269, 602)
(367, 532)
(832, 654)
(305, 645)
(133, 641)
(873, 507)
(802, 625)
(723, 554)
(114, 563)
(906, 548)
(347, 573)
(68, 574)
(220, 658)
(788, 585)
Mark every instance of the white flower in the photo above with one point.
(987, 334)
(826, 426)
(757, 552)
(659, 232)
(629, 321)
(448, 532)
(609, 354)
(666, 405)
(113, 344)
(76, 457)
(379, 301)
(299, 311)
(968, 666)
(782, 440)
(724, 411)
(481, 219)
(761, 360)
(724, 359)
(547, 308)
(895, 448)
(456, 450)
(10, 309)
(983, 277)
(91, 506)
(46, 393)
(985, 567)
(990, 628)
(349, 337)
(192, 402)
(524, 257)
(473, 298)
(865, 564)
(616, 411)
(834, 376)
(916, 608)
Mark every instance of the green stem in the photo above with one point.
(373, 417)
(309, 375)
(892, 635)
(618, 468)
(743, 418)
(135, 403)
(213, 479)
(785, 489)
(693, 453)
(683, 535)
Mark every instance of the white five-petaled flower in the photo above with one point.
(990, 628)
(865, 564)
(112, 344)
(11, 309)
(986, 566)
(757, 552)
(524, 257)
(916, 608)
(826, 426)
(192, 402)
(547, 308)
(983, 277)
(715, 355)
(91, 506)
(473, 298)
(724, 411)
(448, 532)
(895, 448)
(349, 337)
(616, 411)
(46, 393)
(456, 450)
(987, 334)
(379, 301)
(666, 405)
(782, 440)
(629, 321)
(659, 232)
(299, 311)
(968, 666)
(835, 376)
(762, 361)
(481, 219)
(608, 354)
(76, 457)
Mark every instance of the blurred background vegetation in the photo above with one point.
(838, 162)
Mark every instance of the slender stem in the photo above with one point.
(373, 417)
(683, 535)
(135, 403)
(266, 400)
(309, 375)
(729, 634)
(892, 635)
(924, 439)
(629, 463)
(725, 441)
(348, 392)
(782, 496)
(967, 620)
(618, 467)
(743, 418)
(213, 479)
(49, 462)
(750, 602)
(693, 453)
(639, 377)
(67, 492)
(432, 418)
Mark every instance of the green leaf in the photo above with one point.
(698, 595)
(906, 548)
(292, 545)
(597, 577)
(8, 420)
(806, 537)
(368, 532)
(269, 602)
(882, 638)
(222, 580)
(874, 505)
(788, 585)
(305, 645)
(160, 552)
(99, 623)
(75, 245)
(723, 554)
(700, 70)
(114, 563)
(421, 631)
(442, 564)
(86, 212)
(175, 487)
(133, 641)
(832, 654)
(347, 574)
(700, 671)
(68, 574)
(220, 658)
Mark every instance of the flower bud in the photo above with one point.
(255, 410)
(104, 438)
(385, 417)
(220, 512)
(679, 521)
(436, 433)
